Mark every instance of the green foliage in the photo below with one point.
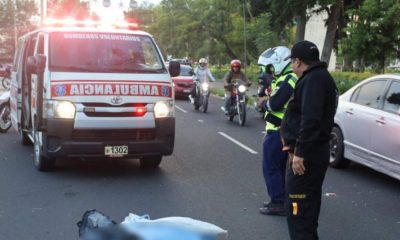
(374, 32)
(220, 71)
(24, 11)
(259, 30)
(346, 80)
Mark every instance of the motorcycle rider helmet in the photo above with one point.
(276, 57)
(236, 63)
(203, 62)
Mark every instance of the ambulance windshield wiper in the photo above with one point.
(75, 69)
(130, 70)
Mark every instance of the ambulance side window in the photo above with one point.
(17, 55)
(29, 50)
(148, 53)
(40, 45)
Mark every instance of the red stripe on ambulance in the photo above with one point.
(107, 89)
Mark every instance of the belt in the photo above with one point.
(272, 131)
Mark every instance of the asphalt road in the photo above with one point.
(209, 178)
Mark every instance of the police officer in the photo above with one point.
(274, 159)
(306, 130)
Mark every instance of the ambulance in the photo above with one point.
(92, 91)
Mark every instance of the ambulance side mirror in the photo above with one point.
(174, 68)
(36, 64)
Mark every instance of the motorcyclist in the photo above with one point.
(202, 74)
(235, 75)
(265, 78)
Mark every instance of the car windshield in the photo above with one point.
(103, 52)
(185, 71)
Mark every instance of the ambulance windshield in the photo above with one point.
(103, 52)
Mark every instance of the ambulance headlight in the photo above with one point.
(163, 109)
(59, 109)
(242, 88)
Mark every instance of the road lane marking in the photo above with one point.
(181, 109)
(200, 120)
(238, 143)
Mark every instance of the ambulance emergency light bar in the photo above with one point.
(70, 22)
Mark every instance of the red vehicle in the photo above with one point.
(3, 70)
(184, 82)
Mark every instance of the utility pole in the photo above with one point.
(244, 35)
(15, 25)
(43, 11)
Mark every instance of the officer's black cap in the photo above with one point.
(306, 51)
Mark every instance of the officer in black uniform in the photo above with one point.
(305, 132)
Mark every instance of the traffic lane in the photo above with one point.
(251, 134)
(228, 175)
(364, 204)
(37, 205)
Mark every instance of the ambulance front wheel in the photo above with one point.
(150, 162)
(42, 163)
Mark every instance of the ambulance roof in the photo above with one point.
(89, 30)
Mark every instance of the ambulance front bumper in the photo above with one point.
(62, 140)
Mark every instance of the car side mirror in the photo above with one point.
(191, 72)
(174, 68)
(36, 64)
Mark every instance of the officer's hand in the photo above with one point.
(298, 165)
(261, 101)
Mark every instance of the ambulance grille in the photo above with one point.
(95, 104)
(117, 134)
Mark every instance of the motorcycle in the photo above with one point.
(5, 117)
(202, 95)
(264, 90)
(238, 103)
(6, 81)
(266, 94)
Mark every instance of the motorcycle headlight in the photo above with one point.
(59, 109)
(204, 86)
(163, 109)
(242, 88)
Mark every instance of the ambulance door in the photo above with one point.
(26, 89)
(39, 49)
(15, 90)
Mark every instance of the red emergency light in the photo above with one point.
(70, 22)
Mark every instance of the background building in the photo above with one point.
(316, 31)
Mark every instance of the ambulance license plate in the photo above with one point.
(115, 151)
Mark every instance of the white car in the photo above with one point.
(367, 126)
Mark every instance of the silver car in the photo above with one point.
(367, 126)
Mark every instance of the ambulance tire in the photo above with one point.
(150, 162)
(24, 139)
(42, 163)
(23, 136)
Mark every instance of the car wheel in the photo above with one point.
(42, 163)
(150, 162)
(336, 145)
(5, 119)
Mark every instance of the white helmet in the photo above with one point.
(276, 57)
(203, 60)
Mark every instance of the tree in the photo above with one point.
(68, 8)
(24, 11)
(374, 35)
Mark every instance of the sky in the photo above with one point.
(116, 8)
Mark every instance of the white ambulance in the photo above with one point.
(91, 92)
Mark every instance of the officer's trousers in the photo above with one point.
(274, 164)
(304, 193)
